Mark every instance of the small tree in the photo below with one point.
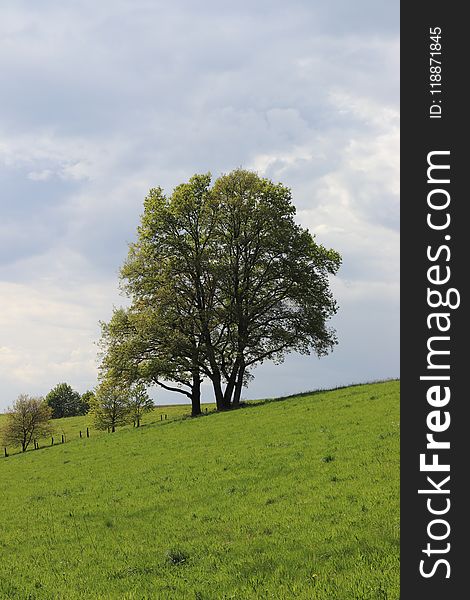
(28, 419)
(139, 402)
(111, 406)
(64, 401)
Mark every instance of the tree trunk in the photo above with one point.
(231, 384)
(219, 397)
(113, 429)
(216, 377)
(238, 387)
(196, 395)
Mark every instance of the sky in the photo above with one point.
(100, 101)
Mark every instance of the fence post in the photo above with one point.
(165, 416)
(161, 417)
(80, 433)
(87, 432)
(6, 453)
(52, 442)
(62, 438)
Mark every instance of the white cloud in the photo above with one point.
(43, 175)
(49, 334)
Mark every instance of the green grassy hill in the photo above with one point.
(296, 498)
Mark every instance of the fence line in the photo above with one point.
(36, 446)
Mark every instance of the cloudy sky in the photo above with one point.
(99, 101)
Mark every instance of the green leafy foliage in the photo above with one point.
(110, 406)
(65, 402)
(139, 403)
(86, 400)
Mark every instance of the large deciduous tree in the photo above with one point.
(220, 279)
(27, 420)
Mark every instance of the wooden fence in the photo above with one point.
(36, 446)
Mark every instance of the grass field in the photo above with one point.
(296, 498)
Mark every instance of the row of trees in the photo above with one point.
(30, 417)
(220, 279)
(111, 405)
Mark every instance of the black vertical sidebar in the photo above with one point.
(434, 524)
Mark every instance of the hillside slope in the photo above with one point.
(297, 498)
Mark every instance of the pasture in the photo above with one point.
(289, 498)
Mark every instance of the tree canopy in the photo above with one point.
(220, 279)
(86, 400)
(65, 402)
